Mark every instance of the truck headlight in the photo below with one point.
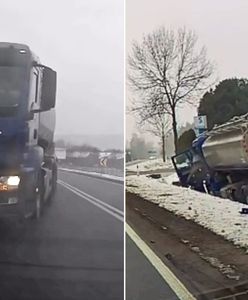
(13, 180)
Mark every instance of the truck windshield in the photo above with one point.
(11, 85)
(183, 162)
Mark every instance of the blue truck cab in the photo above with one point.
(189, 162)
(28, 167)
(193, 170)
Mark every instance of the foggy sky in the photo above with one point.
(83, 41)
(222, 26)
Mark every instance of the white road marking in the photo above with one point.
(175, 284)
(93, 198)
(113, 211)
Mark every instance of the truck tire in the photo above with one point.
(54, 185)
(55, 177)
(38, 205)
(39, 198)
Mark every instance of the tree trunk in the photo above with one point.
(163, 147)
(174, 127)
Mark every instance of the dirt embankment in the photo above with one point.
(210, 266)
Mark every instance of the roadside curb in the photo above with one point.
(120, 181)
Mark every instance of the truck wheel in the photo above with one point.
(39, 195)
(38, 204)
(54, 184)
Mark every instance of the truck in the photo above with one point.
(28, 166)
(217, 162)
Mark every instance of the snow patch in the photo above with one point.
(216, 214)
(169, 179)
(150, 165)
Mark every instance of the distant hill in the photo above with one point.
(111, 141)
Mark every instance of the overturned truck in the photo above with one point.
(217, 162)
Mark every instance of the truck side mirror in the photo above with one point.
(48, 91)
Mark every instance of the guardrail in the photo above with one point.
(100, 170)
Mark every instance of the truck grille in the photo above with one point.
(8, 198)
(4, 199)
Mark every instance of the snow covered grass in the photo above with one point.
(169, 179)
(218, 215)
(150, 165)
(134, 162)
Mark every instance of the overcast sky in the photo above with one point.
(222, 26)
(83, 41)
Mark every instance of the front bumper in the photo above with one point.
(11, 204)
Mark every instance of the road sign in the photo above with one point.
(200, 123)
(103, 161)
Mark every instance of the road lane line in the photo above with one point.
(115, 215)
(175, 284)
(93, 198)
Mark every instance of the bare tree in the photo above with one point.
(167, 69)
(159, 125)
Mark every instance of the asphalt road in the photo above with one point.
(143, 282)
(75, 251)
